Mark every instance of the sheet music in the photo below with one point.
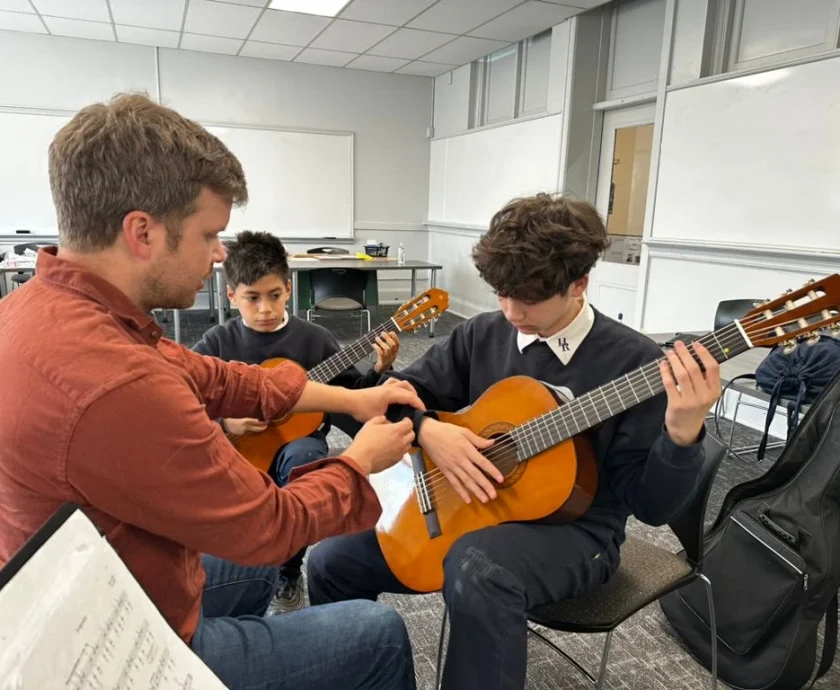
(97, 630)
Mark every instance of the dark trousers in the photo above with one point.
(491, 578)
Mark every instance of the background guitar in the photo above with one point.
(260, 448)
(549, 466)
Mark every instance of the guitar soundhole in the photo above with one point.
(503, 455)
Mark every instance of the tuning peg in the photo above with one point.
(790, 346)
(788, 291)
(809, 282)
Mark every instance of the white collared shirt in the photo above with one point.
(566, 341)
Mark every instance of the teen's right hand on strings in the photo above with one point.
(455, 452)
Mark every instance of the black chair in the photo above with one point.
(730, 309)
(647, 572)
(338, 290)
(327, 250)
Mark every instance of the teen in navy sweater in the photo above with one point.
(536, 257)
(257, 276)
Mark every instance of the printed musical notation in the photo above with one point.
(102, 632)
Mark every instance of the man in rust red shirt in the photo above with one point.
(109, 415)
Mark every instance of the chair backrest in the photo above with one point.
(327, 250)
(338, 282)
(689, 524)
(730, 309)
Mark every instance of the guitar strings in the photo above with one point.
(726, 337)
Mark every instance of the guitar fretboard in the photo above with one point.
(341, 361)
(598, 405)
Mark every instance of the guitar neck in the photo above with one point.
(614, 397)
(342, 360)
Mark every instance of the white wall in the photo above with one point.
(388, 113)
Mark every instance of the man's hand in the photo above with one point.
(387, 346)
(455, 452)
(691, 392)
(380, 444)
(240, 427)
(368, 403)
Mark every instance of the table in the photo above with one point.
(298, 266)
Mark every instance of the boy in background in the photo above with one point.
(257, 276)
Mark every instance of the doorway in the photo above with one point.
(621, 199)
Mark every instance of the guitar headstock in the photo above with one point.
(803, 312)
(422, 309)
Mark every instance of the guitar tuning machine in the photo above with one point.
(789, 345)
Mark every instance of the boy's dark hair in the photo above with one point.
(538, 246)
(254, 255)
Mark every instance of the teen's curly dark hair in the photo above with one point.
(538, 246)
(253, 255)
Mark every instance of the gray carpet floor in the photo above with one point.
(645, 655)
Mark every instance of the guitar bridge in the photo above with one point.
(425, 498)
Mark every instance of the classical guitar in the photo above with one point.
(549, 467)
(260, 448)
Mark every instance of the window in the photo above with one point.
(512, 82)
(758, 33)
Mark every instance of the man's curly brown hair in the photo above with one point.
(538, 246)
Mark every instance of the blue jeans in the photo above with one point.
(354, 645)
(295, 454)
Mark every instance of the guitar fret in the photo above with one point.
(644, 376)
(606, 402)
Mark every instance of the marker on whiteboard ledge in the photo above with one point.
(23, 232)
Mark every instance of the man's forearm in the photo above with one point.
(318, 397)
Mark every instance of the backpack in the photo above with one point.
(773, 558)
(796, 375)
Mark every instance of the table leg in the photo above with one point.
(176, 319)
(413, 282)
(294, 299)
(219, 286)
(432, 283)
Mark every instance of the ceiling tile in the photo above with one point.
(525, 20)
(352, 37)
(16, 21)
(460, 16)
(220, 19)
(376, 64)
(463, 50)
(154, 14)
(580, 4)
(393, 12)
(80, 28)
(272, 51)
(250, 3)
(314, 56)
(16, 6)
(210, 44)
(92, 10)
(425, 69)
(148, 37)
(290, 28)
(410, 43)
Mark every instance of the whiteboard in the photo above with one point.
(25, 198)
(471, 176)
(300, 184)
(755, 159)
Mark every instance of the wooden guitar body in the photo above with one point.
(261, 448)
(557, 484)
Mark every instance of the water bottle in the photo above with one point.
(401, 254)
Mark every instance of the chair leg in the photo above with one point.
(602, 672)
(367, 311)
(309, 315)
(713, 627)
(439, 670)
(580, 669)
